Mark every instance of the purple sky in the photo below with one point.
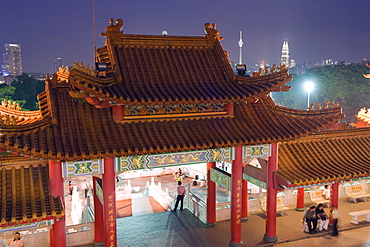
(315, 29)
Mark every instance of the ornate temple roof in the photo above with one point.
(25, 197)
(198, 103)
(327, 156)
(73, 130)
(168, 70)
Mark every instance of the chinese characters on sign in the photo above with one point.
(238, 201)
(111, 221)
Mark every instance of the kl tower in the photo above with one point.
(240, 43)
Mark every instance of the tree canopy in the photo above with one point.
(343, 83)
(23, 90)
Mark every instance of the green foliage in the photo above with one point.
(6, 92)
(343, 83)
(26, 90)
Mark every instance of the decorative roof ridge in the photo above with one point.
(364, 114)
(311, 112)
(11, 114)
(337, 134)
(116, 36)
(78, 74)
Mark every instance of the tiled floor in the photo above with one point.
(183, 229)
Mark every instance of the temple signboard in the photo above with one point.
(221, 178)
(99, 190)
(255, 181)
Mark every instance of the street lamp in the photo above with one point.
(309, 87)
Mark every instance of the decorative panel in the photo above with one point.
(82, 168)
(173, 159)
(221, 178)
(256, 151)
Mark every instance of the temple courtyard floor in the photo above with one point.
(183, 229)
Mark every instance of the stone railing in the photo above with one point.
(161, 196)
(79, 234)
(197, 206)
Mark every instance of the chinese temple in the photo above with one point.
(152, 97)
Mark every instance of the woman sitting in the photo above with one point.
(322, 218)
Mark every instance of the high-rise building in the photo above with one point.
(285, 54)
(57, 63)
(12, 58)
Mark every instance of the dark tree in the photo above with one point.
(27, 88)
(342, 82)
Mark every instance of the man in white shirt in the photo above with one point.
(326, 192)
(85, 187)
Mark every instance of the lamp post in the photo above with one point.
(309, 87)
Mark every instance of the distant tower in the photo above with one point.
(285, 54)
(240, 43)
(57, 63)
(12, 60)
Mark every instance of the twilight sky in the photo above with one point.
(315, 29)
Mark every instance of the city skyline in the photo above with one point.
(314, 33)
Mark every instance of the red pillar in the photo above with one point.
(236, 198)
(211, 197)
(58, 235)
(109, 194)
(98, 218)
(272, 164)
(334, 196)
(300, 200)
(245, 200)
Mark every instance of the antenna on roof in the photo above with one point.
(94, 27)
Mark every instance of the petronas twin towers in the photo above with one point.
(285, 54)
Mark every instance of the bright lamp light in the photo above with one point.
(309, 86)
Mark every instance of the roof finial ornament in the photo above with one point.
(211, 31)
(114, 28)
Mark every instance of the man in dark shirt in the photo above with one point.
(310, 218)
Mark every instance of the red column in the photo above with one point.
(334, 196)
(272, 164)
(300, 200)
(109, 194)
(245, 200)
(58, 232)
(98, 218)
(211, 197)
(236, 198)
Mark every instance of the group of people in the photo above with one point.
(317, 219)
(83, 186)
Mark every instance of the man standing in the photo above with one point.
(310, 218)
(334, 216)
(85, 187)
(180, 196)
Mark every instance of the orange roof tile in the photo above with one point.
(25, 196)
(77, 130)
(325, 157)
